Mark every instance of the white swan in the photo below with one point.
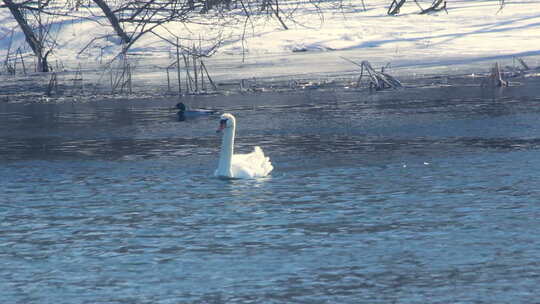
(231, 165)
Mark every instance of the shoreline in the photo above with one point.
(276, 73)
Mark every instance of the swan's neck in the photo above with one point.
(226, 153)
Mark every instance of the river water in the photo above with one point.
(427, 195)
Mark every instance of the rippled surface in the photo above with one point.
(422, 196)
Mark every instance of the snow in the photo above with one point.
(472, 32)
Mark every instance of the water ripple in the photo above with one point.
(377, 200)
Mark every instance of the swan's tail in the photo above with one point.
(265, 163)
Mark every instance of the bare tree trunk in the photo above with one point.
(115, 23)
(34, 43)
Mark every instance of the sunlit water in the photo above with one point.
(419, 196)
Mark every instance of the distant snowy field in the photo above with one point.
(471, 32)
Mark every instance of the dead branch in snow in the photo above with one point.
(437, 5)
(395, 6)
(501, 5)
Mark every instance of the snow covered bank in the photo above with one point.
(473, 35)
(472, 32)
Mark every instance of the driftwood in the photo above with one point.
(495, 79)
(376, 80)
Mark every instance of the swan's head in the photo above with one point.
(226, 121)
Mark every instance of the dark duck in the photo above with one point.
(184, 113)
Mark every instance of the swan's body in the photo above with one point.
(184, 113)
(231, 165)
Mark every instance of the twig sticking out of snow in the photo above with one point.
(53, 85)
(437, 5)
(196, 71)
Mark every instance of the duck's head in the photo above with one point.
(181, 106)
(226, 121)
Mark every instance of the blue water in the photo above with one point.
(423, 196)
